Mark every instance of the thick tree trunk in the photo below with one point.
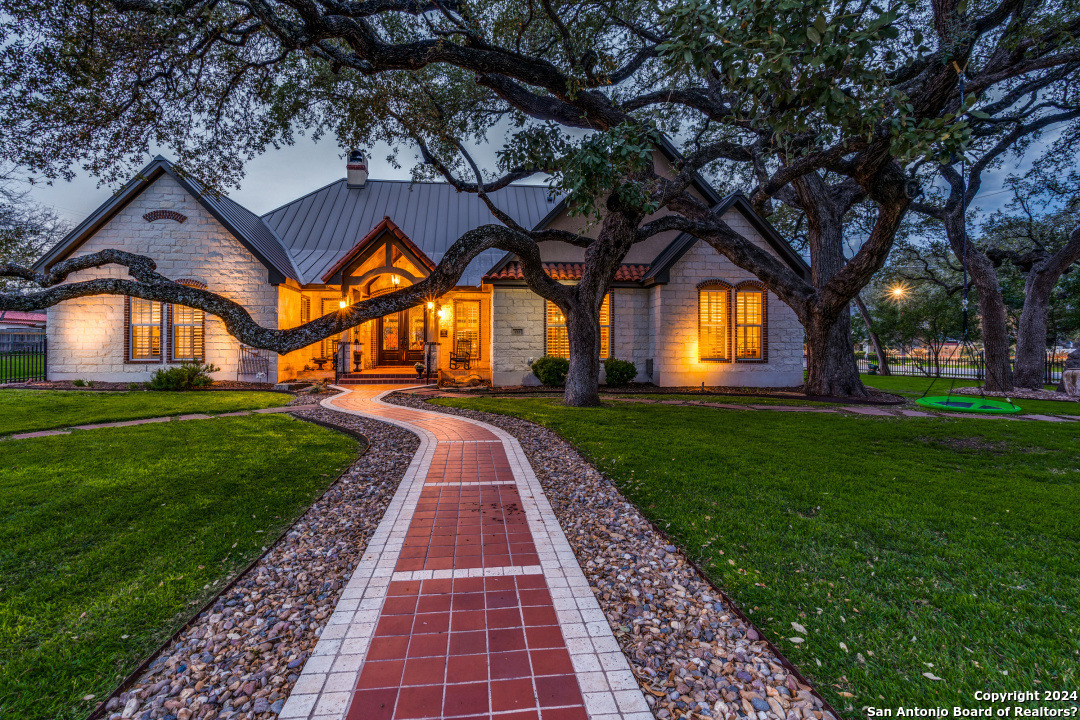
(831, 367)
(883, 360)
(992, 315)
(583, 379)
(1031, 331)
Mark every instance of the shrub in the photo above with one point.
(78, 383)
(186, 376)
(551, 370)
(619, 372)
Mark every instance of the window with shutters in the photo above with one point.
(750, 324)
(467, 326)
(144, 330)
(187, 326)
(714, 322)
(558, 341)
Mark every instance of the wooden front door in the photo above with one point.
(401, 337)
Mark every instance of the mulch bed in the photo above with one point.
(693, 652)
(876, 397)
(1020, 394)
(241, 657)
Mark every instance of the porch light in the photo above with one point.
(343, 304)
(395, 279)
(444, 311)
(431, 306)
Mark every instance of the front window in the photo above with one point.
(467, 326)
(144, 331)
(558, 342)
(713, 317)
(749, 324)
(187, 333)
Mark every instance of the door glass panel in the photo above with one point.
(416, 328)
(390, 332)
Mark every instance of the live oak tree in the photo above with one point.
(822, 104)
(1024, 111)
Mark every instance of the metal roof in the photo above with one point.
(320, 228)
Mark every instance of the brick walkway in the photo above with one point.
(469, 602)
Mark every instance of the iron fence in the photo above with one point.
(968, 366)
(253, 365)
(22, 360)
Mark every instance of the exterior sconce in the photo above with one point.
(343, 304)
(395, 279)
(444, 312)
(431, 306)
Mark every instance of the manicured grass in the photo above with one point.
(26, 410)
(943, 546)
(913, 387)
(111, 539)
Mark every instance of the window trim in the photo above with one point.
(609, 297)
(129, 328)
(718, 285)
(475, 354)
(759, 287)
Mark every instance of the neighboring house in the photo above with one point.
(25, 321)
(684, 314)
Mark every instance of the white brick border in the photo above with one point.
(325, 686)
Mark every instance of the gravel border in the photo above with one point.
(693, 651)
(241, 655)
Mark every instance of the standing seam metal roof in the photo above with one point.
(320, 228)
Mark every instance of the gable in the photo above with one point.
(385, 249)
(241, 223)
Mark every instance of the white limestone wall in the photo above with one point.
(674, 308)
(515, 309)
(632, 328)
(86, 335)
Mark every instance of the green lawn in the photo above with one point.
(942, 546)
(111, 539)
(913, 387)
(26, 410)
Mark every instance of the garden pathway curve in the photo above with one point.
(468, 602)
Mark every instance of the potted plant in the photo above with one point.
(419, 368)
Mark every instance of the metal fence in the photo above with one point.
(253, 365)
(22, 359)
(968, 366)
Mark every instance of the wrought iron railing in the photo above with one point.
(22, 357)
(968, 365)
(253, 364)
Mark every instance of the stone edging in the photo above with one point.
(99, 712)
(727, 599)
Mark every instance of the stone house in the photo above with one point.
(682, 313)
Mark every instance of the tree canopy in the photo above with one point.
(816, 104)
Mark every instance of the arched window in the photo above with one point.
(751, 322)
(714, 321)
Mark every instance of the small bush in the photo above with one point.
(186, 376)
(78, 383)
(551, 370)
(619, 372)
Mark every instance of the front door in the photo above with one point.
(401, 337)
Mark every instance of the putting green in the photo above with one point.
(969, 404)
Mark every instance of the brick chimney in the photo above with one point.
(356, 169)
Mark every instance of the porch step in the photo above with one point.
(379, 379)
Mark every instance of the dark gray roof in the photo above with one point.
(238, 220)
(319, 228)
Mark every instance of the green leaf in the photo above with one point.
(813, 35)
